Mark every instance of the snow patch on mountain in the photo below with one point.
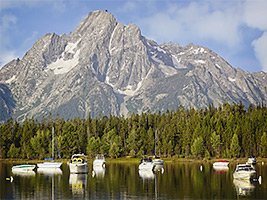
(61, 66)
(231, 79)
(71, 47)
(200, 61)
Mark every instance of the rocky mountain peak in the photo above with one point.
(95, 23)
(105, 67)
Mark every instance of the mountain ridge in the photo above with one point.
(107, 68)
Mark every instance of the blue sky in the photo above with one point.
(235, 29)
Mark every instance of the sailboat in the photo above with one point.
(157, 161)
(51, 165)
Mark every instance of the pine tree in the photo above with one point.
(263, 145)
(197, 148)
(234, 147)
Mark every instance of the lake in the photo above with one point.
(178, 180)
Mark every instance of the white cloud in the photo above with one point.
(6, 56)
(195, 20)
(57, 5)
(6, 25)
(260, 48)
(255, 14)
(223, 24)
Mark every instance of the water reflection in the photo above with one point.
(220, 169)
(23, 173)
(98, 171)
(159, 168)
(78, 183)
(179, 180)
(243, 187)
(146, 174)
(49, 171)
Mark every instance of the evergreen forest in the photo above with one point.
(229, 131)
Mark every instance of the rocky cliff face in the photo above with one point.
(105, 67)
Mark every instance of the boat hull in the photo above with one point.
(23, 168)
(158, 162)
(146, 166)
(49, 165)
(244, 175)
(99, 163)
(220, 164)
(78, 168)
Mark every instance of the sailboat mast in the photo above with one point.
(155, 143)
(53, 135)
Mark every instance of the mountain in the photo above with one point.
(104, 67)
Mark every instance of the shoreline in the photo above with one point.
(137, 160)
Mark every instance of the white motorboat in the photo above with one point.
(51, 164)
(146, 164)
(251, 161)
(78, 164)
(23, 168)
(99, 161)
(244, 171)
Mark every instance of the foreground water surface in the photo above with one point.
(178, 180)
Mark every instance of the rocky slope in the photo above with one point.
(105, 67)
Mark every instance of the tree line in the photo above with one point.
(229, 131)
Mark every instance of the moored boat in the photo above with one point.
(221, 163)
(146, 164)
(49, 165)
(99, 161)
(158, 161)
(23, 168)
(78, 164)
(244, 171)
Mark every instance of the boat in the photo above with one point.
(146, 164)
(99, 161)
(23, 168)
(221, 165)
(78, 164)
(158, 161)
(51, 164)
(251, 160)
(244, 171)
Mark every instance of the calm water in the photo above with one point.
(123, 181)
